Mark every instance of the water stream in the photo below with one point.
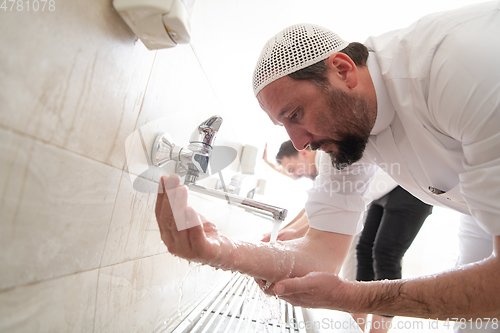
(276, 230)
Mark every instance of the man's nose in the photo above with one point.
(299, 136)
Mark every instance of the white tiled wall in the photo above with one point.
(79, 247)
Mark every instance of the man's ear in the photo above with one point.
(343, 68)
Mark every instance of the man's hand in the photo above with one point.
(264, 155)
(315, 290)
(284, 235)
(186, 233)
(433, 296)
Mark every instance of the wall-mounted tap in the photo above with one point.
(204, 136)
(276, 213)
(194, 160)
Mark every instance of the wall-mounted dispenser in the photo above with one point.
(158, 23)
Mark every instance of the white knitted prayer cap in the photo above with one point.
(292, 49)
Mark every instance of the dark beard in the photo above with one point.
(353, 134)
(350, 150)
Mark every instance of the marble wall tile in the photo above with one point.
(62, 217)
(178, 92)
(74, 77)
(65, 304)
(133, 232)
(150, 294)
(15, 152)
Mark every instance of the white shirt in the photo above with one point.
(317, 158)
(437, 131)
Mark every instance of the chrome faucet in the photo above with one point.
(276, 213)
(193, 162)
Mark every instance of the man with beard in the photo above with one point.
(422, 103)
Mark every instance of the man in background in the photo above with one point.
(392, 222)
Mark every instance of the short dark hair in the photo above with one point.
(316, 72)
(287, 149)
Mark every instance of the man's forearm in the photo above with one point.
(317, 251)
(303, 229)
(267, 261)
(468, 292)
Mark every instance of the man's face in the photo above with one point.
(332, 119)
(300, 165)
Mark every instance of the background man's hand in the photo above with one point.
(283, 235)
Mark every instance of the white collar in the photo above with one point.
(385, 109)
(317, 159)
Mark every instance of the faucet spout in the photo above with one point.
(201, 145)
(206, 132)
(276, 213)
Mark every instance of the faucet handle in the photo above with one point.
(162, 150)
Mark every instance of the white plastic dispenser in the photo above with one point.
(158, 23)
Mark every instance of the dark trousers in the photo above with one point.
(391, 224)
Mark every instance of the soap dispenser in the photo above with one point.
(158, 23)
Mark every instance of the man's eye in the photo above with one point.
(294, 115)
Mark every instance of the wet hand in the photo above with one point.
(186, 233)
(266, 287)
(284, 235)
(315, 290)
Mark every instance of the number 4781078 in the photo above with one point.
(28, 5)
